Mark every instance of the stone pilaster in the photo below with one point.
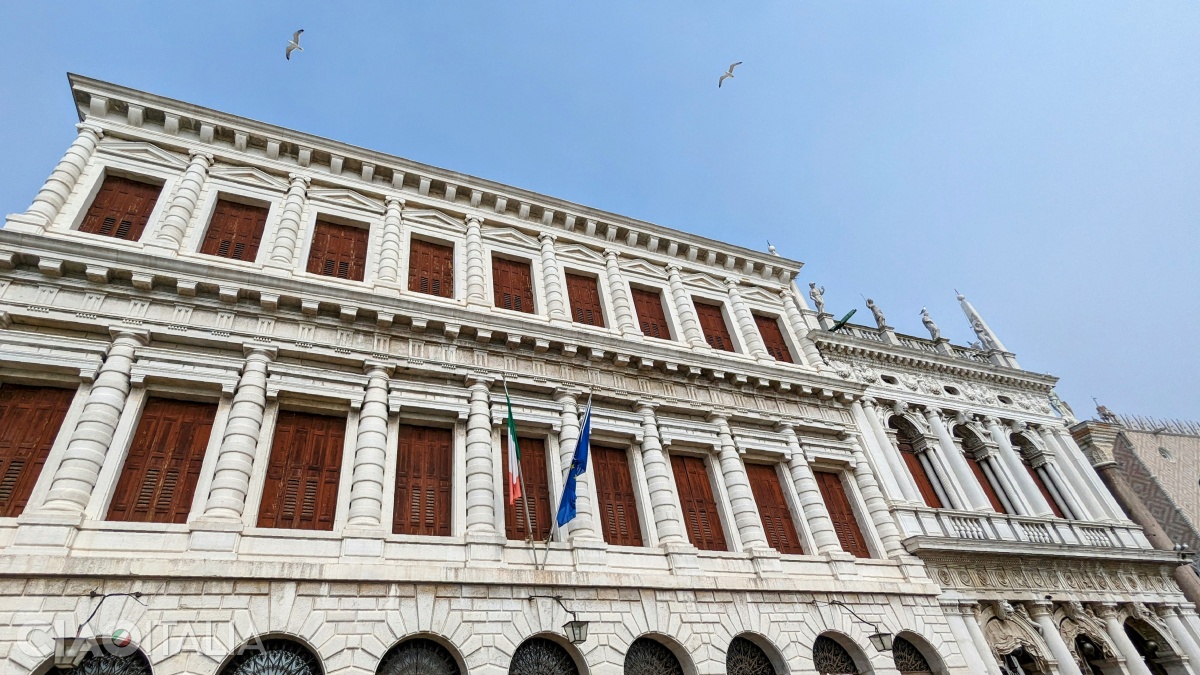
(810, 355)
(667, 521)
(370, 453)
(481, 506)
(684, 308)
(622, 304)
(389, 248)
(745, 322)
(50, 199)
(1115, 628)
(553, 281)
(235, 461)
(476, 265)
(183, 203)
(816, 516)
(737, 485)
(899, 483)
(976, 499)
(283, 249)
(876, 505)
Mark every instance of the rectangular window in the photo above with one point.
(303, 472)
(30, 418)
(234, 231)
(837, 502)
(1041, 486)
(699, 507)
(772, 336)
(773, 508)
(338, 251)
(423, 481)
(121, 208)
(585, 300)
(920, 476)
(650, 314)
(536, 491)
(988, 488)
(159, 477)
(431, 268)
(712, 323)
(512, 284)
(614, 491)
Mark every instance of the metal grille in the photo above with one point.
(418, 656)
(108, 664)
(274, 657)
(830, 658)
(648, 657)
(539, 656)
(908, 659)
(746, 658)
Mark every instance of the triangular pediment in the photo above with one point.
(507, 235)
(639, 266)
(248, 176)
(577, 252)
(143, 152)
(705, 281)
(759, 295)
(435, 219)
(344, 197)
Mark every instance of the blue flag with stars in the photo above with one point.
(566, 506)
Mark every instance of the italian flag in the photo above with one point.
(514, 454)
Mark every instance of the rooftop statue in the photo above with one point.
(817, 295)
(879, 318)
(934, 333)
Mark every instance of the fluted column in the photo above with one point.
(235, 461)
(283, 250)
(389, 248)
(622, 304)
(476, 265)
(902, 484)
(1009, 491)
(1008, 454)
(568, 439)
(958, 464)
(552, 279)
(50, 199)
(76, 476)
(1116, 632)
(795, 319)
(1180, 632)
(684, 308)
(816, 516)
(745, 322)
(1059, 487)
(876, 505)
(667, 520)
(1066, 465)
(737, 485)
(370, 451)
(1040, 612)
(481, 504)
(183, 202)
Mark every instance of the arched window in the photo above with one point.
(983, 469)
(418, 656)
(1088, 652)
(651, 657)
(1027, 450)
(906, 439)
(540, 656)
(273, 657)
(830, 658)
(909, 660)
(746, 658)
(1148, 644)
(103, 663)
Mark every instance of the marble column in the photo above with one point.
(976, 499)
(1012, 459)
(370, 451)
(684, 308)
(183, 203)
(76, 477)
(50, 199)
(1060, 490)
(667, 520)
(481, 495)
(901, 485)
(1040, 612)
(1182, 635)
(737, 486)
(389, 248)
(877, 507)
(283, 249)
(617, 288)
(957, 618)
(476, 265)
(811, 356)
(745, 322)
(1116, 633)
(1087, 474)
(552, 279)
(816, 516)
(1005, 492)
(581, 527)
(967, 611)
(235, 460)
(1092, 507)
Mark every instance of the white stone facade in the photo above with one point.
(125, 322)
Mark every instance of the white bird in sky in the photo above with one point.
(728, 73)
(293, 45)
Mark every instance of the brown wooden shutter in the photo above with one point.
(424, 480)
(712, 323)
(772, 506)
(988, 488)
(585, 300)
(772, 336)
(512, 284)
(235, 231)
(842, 514)
(699, 506)
(614, 491)
(537, 491)
(920, 476)
(30, 418)
(431, 268)
(158, 479)
(303, 473)
(338, 251)
(121, 208)
(650, 314)
(1041, 486)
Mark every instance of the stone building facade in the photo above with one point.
(252, 419)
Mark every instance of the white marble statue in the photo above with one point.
(934, 333)
(817, 295)
(879, 318)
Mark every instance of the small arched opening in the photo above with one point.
(269, 656)
(108, 659)
(420, 655)
(542, 655)
(913, 655)
(1090, 654)
(832, 657)
(647, 656)
(1149, 645)
(747, 656)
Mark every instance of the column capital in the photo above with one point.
(990, 421)
(1105, 610)
(90, 128)
(646, 407)
(1039, 608)
(299, 180)
(473, 219)
(611, 254)
(260, 352)
(1018, 426)
(127, 336)
(547, 237)
(197, 156)
(394, 201)
(933, 411)
(374, 369)
(674, 268)
(1164, 610)
(732, 283)
(565, 394)
(478, 382)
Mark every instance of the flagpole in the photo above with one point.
(521, 476)
(554, 521)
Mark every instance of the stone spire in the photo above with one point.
(986, 336)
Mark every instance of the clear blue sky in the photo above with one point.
(1040, 157)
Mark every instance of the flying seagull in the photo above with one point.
(293, 45)
(842, 322)
(728, 73)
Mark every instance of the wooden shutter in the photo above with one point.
(585, 300)
(712, 323)
(650, 314)
(614, 491)
(1041, 486)
(424, 480)
(302, 475)
(920, 476)
(988, 488)
(235, 231)
(121, 208)
(699, 506)
(512, 285)
(159, 477)
(772, 506)
(842, 514)
(772, 336)
(431, 268)
(537, 491)
(30, 418)
(338, 251)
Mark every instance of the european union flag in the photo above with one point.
(566, 505)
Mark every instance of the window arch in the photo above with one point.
(1149, 644)
(908, 659)
(906, 442)
(830, 658)
(101, 661)
(746, 658)
(647, 656)
(542, 656)
(272, 657)
(984, 469)
(418, 656)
